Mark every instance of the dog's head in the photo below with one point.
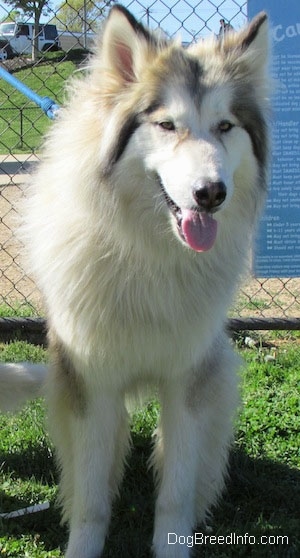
(187, 127)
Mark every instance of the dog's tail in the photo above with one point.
(20, 382)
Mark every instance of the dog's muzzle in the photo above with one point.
(196, 226)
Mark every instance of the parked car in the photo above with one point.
(20, 36)
(5, 49)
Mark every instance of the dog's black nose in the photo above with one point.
(211, 195)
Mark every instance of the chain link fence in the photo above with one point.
(63, 44)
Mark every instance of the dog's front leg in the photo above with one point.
(96, 446)
(192, 449)
(176, 459)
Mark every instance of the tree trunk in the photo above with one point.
(35, 38)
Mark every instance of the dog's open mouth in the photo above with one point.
(198, 229)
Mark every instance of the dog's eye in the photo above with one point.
(167, 125)
(225, 126)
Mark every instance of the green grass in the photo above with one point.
(17, 310)
(263, 493)
(47, 79)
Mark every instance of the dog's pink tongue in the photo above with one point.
(199, 229)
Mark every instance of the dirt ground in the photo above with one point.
(257, 297)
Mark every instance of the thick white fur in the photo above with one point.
(128, 302)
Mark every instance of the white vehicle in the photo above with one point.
(20, 36)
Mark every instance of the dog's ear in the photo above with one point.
(125, 44)
(257, 33)
(246, 56)
(251, 46)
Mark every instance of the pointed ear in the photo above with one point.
(124, 45)
(251, 45)
(257, 28)
(256, 40)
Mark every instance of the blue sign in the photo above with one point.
(278, 242)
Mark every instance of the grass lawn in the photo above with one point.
(263, 493)
(47, 79)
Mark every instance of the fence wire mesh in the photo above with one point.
(63, 43)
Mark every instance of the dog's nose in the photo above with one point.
(211, 195)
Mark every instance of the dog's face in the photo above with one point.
(194, 119)
(195, 146)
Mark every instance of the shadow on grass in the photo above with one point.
(36, 461)
(262, 498)
(76, 55)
